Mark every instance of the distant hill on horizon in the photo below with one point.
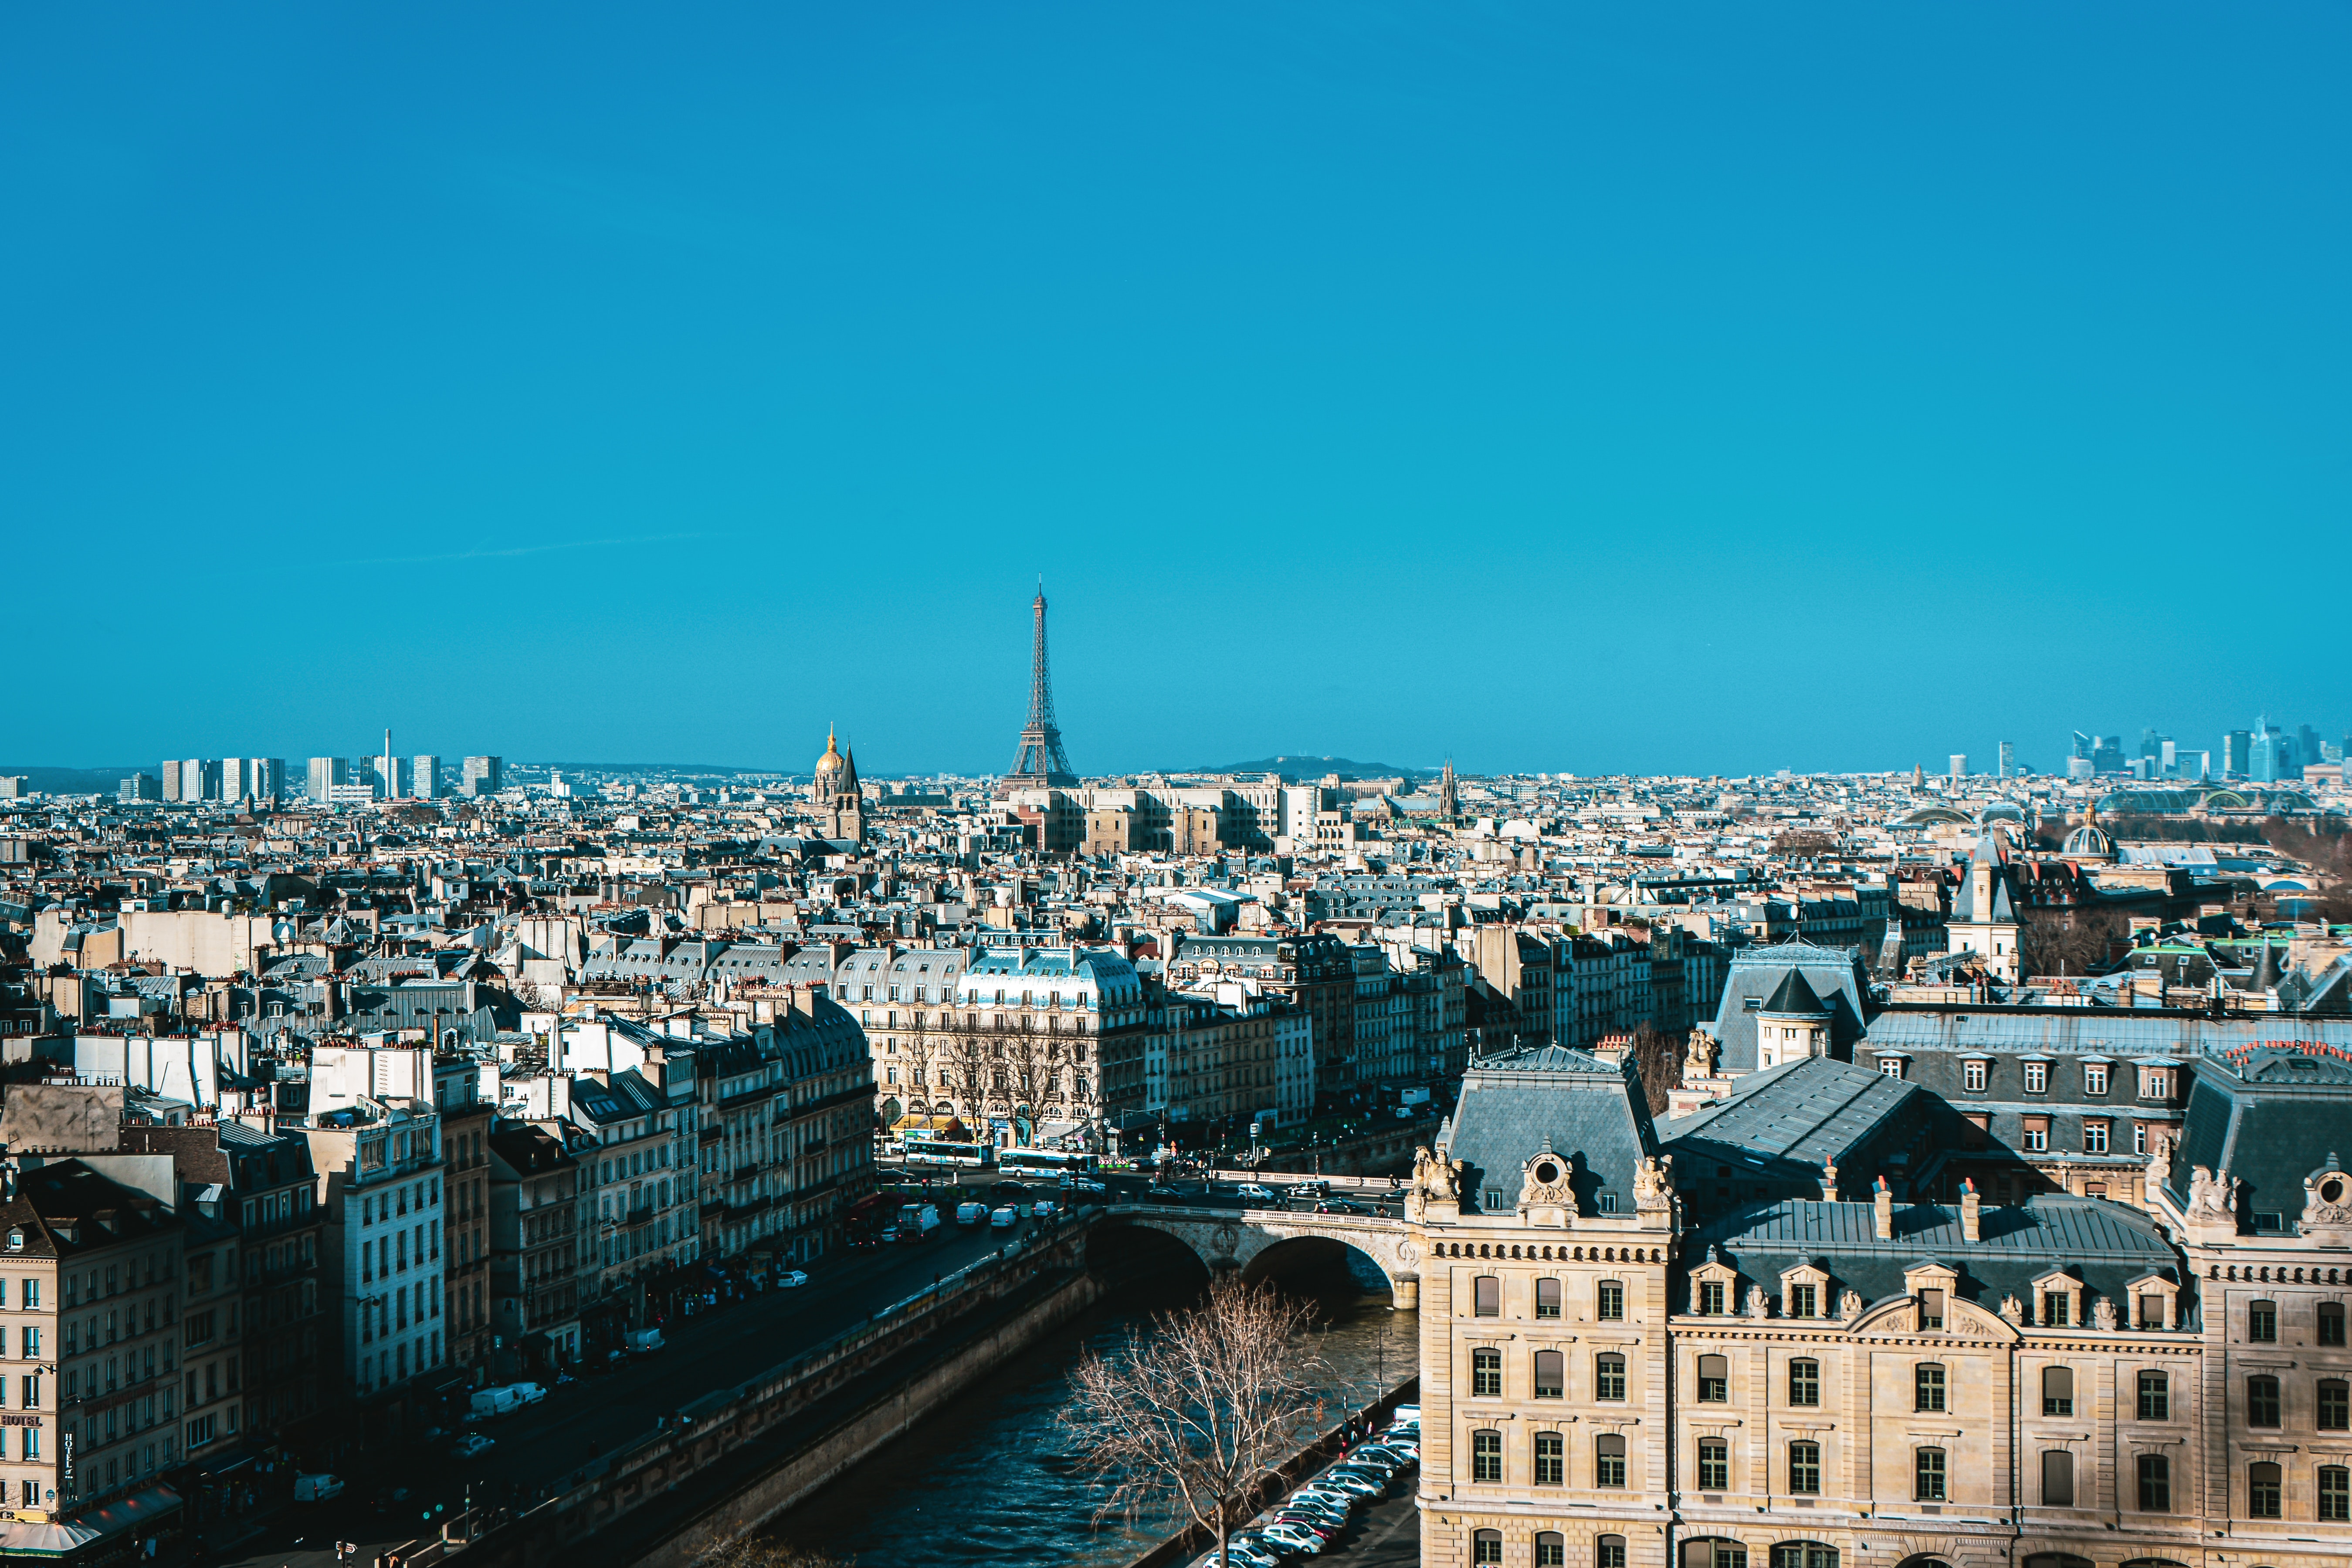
(45, 780)
(1301, 766)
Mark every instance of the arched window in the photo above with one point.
(1610, 1301)
(1551, 1374)
(1927, 1473)
(2261, 1322)
(1713, 1465)
(1486, 1546)
(1608, 1460)
(2056, 1560)
(2335, 1404)
(1714, 1554)
(2335, 1493)
(1714, 1379)
(1486, 1456)
(1609, 1551)
(1609, 1377)
(1804, 1554)
(2155, 1484)
(1552, 1460)
(2057, 1478)
(2057, 1391)
(1486, 1296)
(1927, 1386)
(1805, 1469)
(1551, 1549)
(1485, 1374)
(1805, 1382)
(2262, 1401)
(2262, 1491)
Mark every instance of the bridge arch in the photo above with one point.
(1237, 1238)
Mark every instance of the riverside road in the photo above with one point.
(593, 1415)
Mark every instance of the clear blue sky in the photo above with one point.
(1575, 388)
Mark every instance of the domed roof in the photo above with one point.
(832, 767)
(2090, 841)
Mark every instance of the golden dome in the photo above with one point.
(829, 766)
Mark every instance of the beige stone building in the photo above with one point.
(2068, 1382)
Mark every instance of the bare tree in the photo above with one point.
(762, 1553)
(1658, 1057)
(2069, 943)
(1199, 1408)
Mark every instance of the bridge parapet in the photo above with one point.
(1226, 1238)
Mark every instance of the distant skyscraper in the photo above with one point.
(2167, 757)
(484, 775)
(266, 778)
(2108, 756)
(326, 773)
(2148, 742)
(2237, 753)
(425, 776)
(171, 781)
(1960, 765)
(2306, 745)
(2084, 746)
(2273, 756)
(2009, 758)
(232, 784)
(139, 788)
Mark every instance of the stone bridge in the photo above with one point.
(1246, 1238)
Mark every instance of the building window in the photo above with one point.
(2262, 1491)
(1714, 1379)
(1609, 1461)
(2261, 1322)
(1805, 1382)
(2331, 1322)
(1805, 1469)
(2335, 1404)
(2155, 1083)
(1609, 1377)
(2155, 1484)
(2057, 1478)
(1551, 1374)
(1710, 1298)
(2261, 1402)
(1713, 1465)
(1927, 1386)
(1800, 1301)
(1890, 1066)
(1552, 1460)
(2155, 1397)
(1486, 1456)
(2037, 1134)
(1485, 1374)
(1804, 1554)
(1931, 1310)
(2057, 1391)
(1973, 1077)
(2151, 1312)
(2095, 1137)
(2334, 1494)
(1612, 1301)
(1547, 1298)
(1551, 1550)
(1486, 1546)
(2054, 1307)
(2037, 1078)
(2139, 1137)
(1927, 1473)
(1486, 1296)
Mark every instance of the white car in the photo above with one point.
(529, 1393)
(1258, 1190)
(791, 1277)
(1291, 1540)
(1044, 1208)
(471, 1444)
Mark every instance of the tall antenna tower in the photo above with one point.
(1040, 761)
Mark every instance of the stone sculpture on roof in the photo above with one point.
(1433, 1179)
(2212, 1199)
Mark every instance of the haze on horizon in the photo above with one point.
(1696, 389)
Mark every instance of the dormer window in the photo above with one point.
(16, 1238)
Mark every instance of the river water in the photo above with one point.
(986, 1478)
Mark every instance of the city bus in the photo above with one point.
(1043, 1162)
(923, 1150)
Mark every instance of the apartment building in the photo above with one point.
(378, 1167)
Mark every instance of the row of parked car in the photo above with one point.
(1314, 1516)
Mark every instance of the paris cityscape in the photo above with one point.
(1791, 1006)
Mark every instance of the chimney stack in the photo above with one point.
(1882, 1198)
(1972, 1206)
(1829, 1183)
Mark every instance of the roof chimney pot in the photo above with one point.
(1882, 1199)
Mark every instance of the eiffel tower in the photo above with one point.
(1041, 764)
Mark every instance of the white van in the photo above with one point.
(916, 1221)
(318, 1487)
(972, 1213)
(641, 1341)
(491, 1403)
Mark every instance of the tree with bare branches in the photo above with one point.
(1193, 1412)
(760, 1552)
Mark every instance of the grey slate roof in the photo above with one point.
(1834, 975)
(2106, 1246)
(2269, 1118)
(1591, 1110)
(1784, 1122)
